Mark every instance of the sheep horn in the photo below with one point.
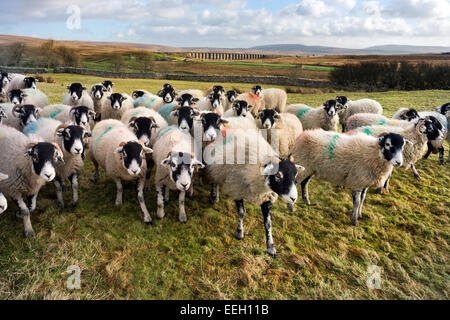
(15, 108)
(122, 144)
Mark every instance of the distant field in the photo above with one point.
(320, 255)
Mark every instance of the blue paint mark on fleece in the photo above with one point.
(162, 132)
(33, 127)
(144, 101)
(166, 110)
(302, 112)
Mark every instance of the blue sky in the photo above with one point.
(235, 23)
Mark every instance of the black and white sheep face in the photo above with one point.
(5, 79)
(116, 100)
(257, 90)
(231, 96)
(186, 100)
(137, 94)
(281, 177)
(215, 100)
(444, 109)
(26, 113)
(2, 115)
(330, 107)
(342, 102)
(410, 115)
(142, 128)
(74, 139)
(432, 128)
(44, 157)
(181, 166)
(3, 202)
(81, 115)
(16, 96)
(392, 148)
(211, 123)
(268, 118)
(218, 89)
(76, 91)
(241, 108)
(185, 117)
(30, 82)
(132, 155)
(108, 85)
(167, 93)
(98, 91)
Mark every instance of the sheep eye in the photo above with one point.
(279, 175)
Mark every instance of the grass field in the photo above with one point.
(320, 255)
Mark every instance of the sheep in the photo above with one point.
(282, 129)
(115, 148)
(370, 119)
(213, 102)
(116, 105)
(167, 93)
(230, 98)
(77, 96)
(3, 201)
(148, 100)
(406, 114)
(18, 116)
(98, 94)
(175, 164)
(28, 96)
(258, 178)
(416, 133)
(253, 100)
(71, 139)
(184, 117)
(2, 114)
(240, 108)
(20, 81)
(324, 117)
(349, 107)
(193, 92)
(272, 98)
(444, 109)
(355, 161)
(139, 93)
(80, 116)
(108, 84)
(4, 86)
(29, 164)
(142, 121)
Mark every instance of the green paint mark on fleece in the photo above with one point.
(368, 131)
(101, 136)
(382, 122)
(302, 112)
(55, 113)
(166, 110)
(332, 146)
(162, 132)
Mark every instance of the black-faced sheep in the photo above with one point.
(324, 117)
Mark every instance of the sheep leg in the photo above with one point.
(363, 197)
(441, 155)
(119, 192)
(241, 214)
(25, 214)
(305, 194)
(266, 209)
(343, 127)
(140, 197)
(428, 151)
(356, 203)
(416, 174)
(95, 178)
(182, 214)
(190, 192)
(74, 181)
(59, 192)
(32, 202)
(160, 201)
(166, 194)
(214, 196)
(148, 174)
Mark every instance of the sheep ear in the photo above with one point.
(197, 163)
(224, 121)
(38, 110)
(277, 115)
(259, 115)
(123, 98)
(91, 113)
(29, 152)
(147, 150)
(83, 88)
(299, 168)
(119, 150)
(68, 87)
(269, 168)
(409, 142)
(60, 131)
(195, 99)
(249, 106)
(109, 97)
(87, 134)
(166, 161)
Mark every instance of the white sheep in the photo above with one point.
(144, 131)
(213, 102)
(175, 164)
(437, 146)
(245, 167)
(149, 100)
(116, 105)
(18, 116)
(71, 140)
(35, 97)
(271, 98)
(324, 117)
(348, 107)
(230, 98)
(282, 129)
(3, 201)
(115, 148)
(29, 164)
(252, 100)
(355, 161)
(77, 96)
(81, 116)
(99, 94)
(372, 119)
(5, 80)
(2, 114)
(20, 81)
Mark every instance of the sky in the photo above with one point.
(233, 23)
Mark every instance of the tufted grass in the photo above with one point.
(320, 255)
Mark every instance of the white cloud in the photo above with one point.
(313, 8)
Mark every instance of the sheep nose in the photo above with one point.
(78, 150)
(184, 185)
(293, 199)
(2, 208)
(48, 175)
(134, 171)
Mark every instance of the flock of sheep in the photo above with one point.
(248, 146)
